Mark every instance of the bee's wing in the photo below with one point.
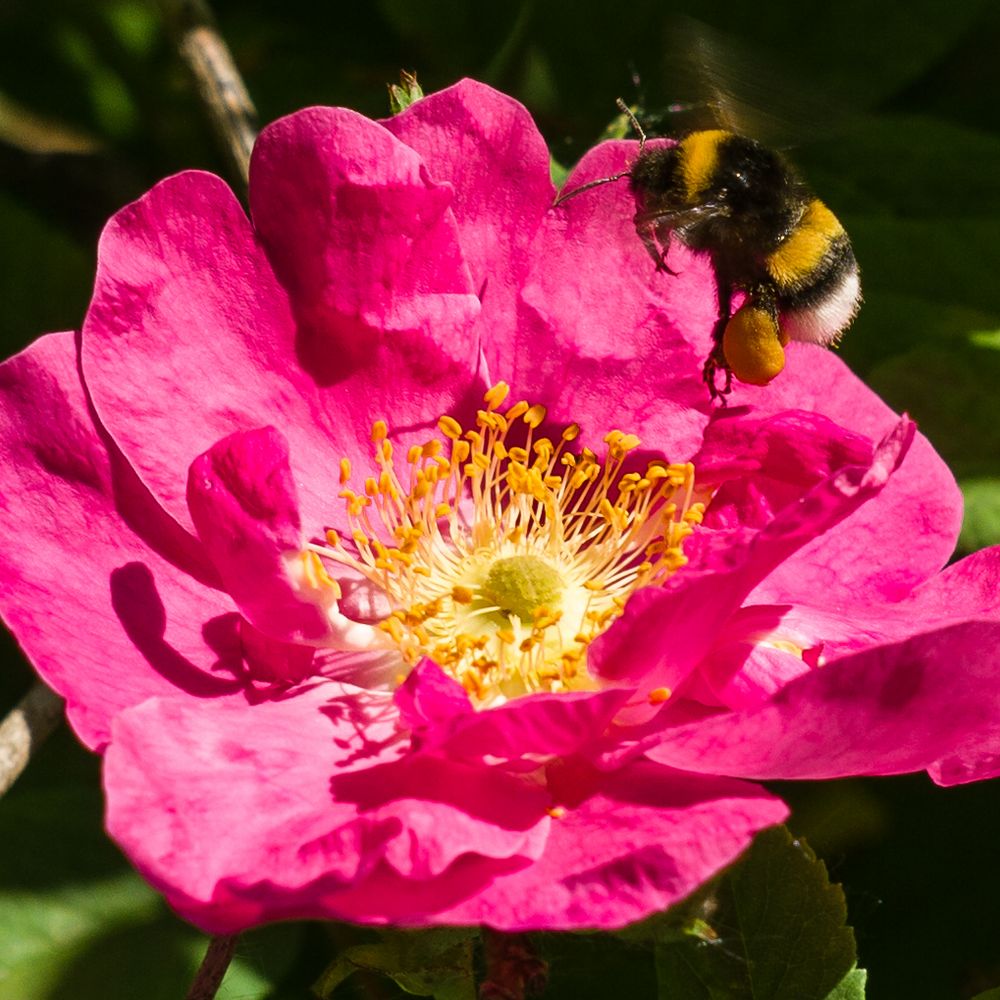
(725, 84)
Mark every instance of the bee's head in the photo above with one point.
(654, 173)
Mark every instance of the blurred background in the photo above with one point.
(892, 111)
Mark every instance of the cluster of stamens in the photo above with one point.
(502, 561)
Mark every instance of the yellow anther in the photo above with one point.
(659, 695)
(392, 627)
(450, 427)
(491, 420)
(535, 415)
(695, 514)
(495, 395)
(475, 498)
(556, 812)
(345, 470)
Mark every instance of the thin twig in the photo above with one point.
(24, 730)
(219, 82)
(213, 968)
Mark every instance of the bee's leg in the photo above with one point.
(716, 360)
(656, 246)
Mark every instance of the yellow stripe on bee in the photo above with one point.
(805, 246)
(699, 159)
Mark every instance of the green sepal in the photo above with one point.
(404, 93)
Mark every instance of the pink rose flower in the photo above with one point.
(362, 636)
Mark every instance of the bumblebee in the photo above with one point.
(767, 235)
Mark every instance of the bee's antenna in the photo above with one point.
(634, 122)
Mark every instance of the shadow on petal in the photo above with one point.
(140, 610)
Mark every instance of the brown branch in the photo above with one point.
(219, 82)
(213, 968)
(25, 729)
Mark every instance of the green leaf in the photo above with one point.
(45, 278)
(981, 523)
(771, 928)
(949, 390)
(432, 963)
(851, 987)
(993, 994)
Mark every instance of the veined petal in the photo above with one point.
(664, 632)
(887, 710)
(243, 502)
(108, 616)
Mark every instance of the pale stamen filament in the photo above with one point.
(481, 513)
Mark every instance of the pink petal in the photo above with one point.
(303, 807)
(765, 464)
(887, 710)
(365, 243)
(185, 292)
(641, 839)
(107, 618)
(539, 725)
(861, 559)
(429, 697)
(486, 146)
(749, 660)
(528, 728)
(242, 501)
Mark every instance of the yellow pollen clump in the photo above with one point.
(503, 553)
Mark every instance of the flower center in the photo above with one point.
(520, 585)
(503, 553)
